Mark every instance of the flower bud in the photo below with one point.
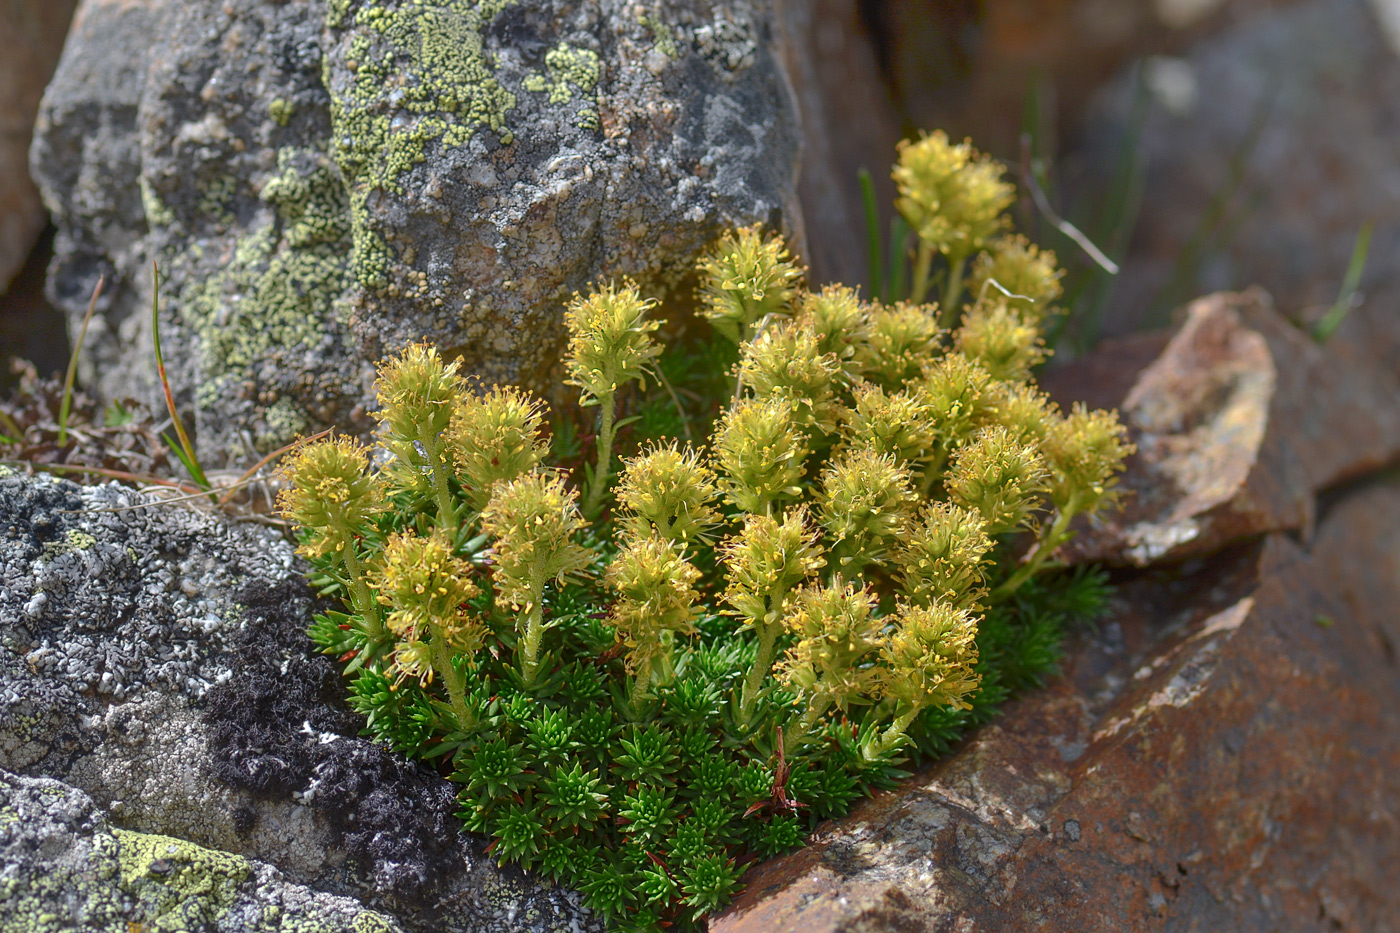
(841, 322)
(760, 453)
(1022, 269)
(496, 437)
(425, 585)
(533, 519)
(954, 388)
(897, 423)
(744, 279)
(1084, 451)
(330, 493)
(1001, 340)
(943, 556)
(416, 394)
(786, 361)
(1001, 479)
(903, 340)
(656, 598)
(931, 657)
(610, 342)
(765, 560)
(864, 504)
(669, 490)
(838, 634)
(951, 196)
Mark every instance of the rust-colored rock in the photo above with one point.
(1224, 754)
(1239, 422)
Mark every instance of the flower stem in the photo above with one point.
(534, 630)
(593, 502)
(891, 735)
(447, 510)
(456, 691)
(923, 264)
(1057, 534)
(800, 729)
(762, 663)
(361, 597)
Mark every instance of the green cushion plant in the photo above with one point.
(644, 682)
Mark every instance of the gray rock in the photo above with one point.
(323, 183)
(155, 659)
(64, 867)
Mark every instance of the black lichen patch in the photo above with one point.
(280, 726)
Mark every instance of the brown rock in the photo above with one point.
(1223, 754)
(970, 67)
(848, 123)
(1265, 147)
(31, 35)
(1239, 422)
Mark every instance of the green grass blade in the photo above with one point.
(1347, 297)
(185, 453)
(66, 405)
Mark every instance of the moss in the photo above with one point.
(281, 110)
(178, 885)
(420, 78)
(663, 34)
(74, 541)
(158, 213)
(567, 68)
(213, 203)
(278, 291)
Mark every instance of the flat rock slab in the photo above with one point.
(1240, 421)
(1223, 754)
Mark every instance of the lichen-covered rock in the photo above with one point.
(323, 182)
(1222, 753)
(154, 657)
(64, 867)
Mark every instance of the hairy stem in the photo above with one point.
(797, 731)
(452, 680)
(447, 509)
(534, 630)
(923, 264)
(952, 291)
(762, 663)
(890, 736)
(1057, 534)
(593, 502)
(361, 598)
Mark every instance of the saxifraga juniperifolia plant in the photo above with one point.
(644, 682)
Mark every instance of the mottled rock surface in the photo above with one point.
(31, 35)
(1239, 422)
(1221, 754)
(155, 660)
(324, 182)
(64, 867)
